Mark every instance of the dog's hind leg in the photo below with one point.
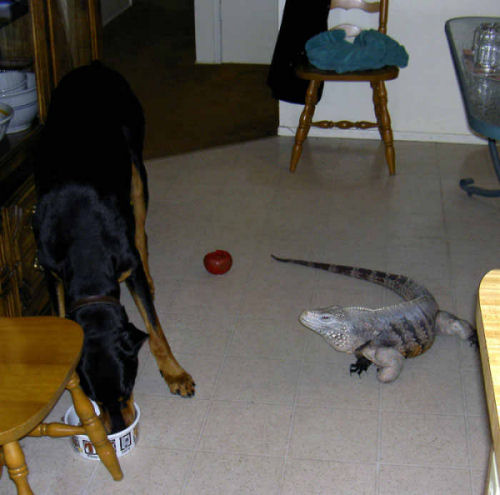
(178, 380)
(139, 205)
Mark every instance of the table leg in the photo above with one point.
(466, 184)
(494, 156)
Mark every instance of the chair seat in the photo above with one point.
(37, 358)
(305, 70)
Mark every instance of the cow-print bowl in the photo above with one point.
(123, 442)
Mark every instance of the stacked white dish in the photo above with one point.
(12, 81)
(18, 89)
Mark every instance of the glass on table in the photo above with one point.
(486, 47)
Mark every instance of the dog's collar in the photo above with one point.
(97, 299)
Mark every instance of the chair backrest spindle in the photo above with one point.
(384, 11)
(381, 7)
(355, 4)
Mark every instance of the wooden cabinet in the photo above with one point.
(49, 38)
(22, 287)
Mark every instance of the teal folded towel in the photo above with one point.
(329, 50)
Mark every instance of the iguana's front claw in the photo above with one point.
(362, 364)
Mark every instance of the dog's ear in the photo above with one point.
(133, 338)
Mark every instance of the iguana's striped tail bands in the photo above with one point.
(405, 287)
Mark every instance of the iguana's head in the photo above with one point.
(331, 324)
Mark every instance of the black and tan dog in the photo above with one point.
(90, 230)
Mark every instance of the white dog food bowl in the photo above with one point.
(12, 80)
(123, 441)
(6, 113)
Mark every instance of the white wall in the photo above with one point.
(424, 102)
(207, 31)
(235, 31)
(248, 30)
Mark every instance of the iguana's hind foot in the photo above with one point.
(362, 364)
(389, 361)
(449, 324)
(473, 340)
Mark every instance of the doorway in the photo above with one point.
(188, 106)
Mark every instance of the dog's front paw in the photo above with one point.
(182, 384)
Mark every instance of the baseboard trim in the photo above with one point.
(398, 135)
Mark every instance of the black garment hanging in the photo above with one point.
(301, 20)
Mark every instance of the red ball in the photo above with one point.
(218, 262)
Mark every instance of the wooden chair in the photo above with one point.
(376, 78)
(38, 358)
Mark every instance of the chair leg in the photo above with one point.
(384, 123)
(376, 107)
(304, 122)
(16, 465)
(94, 428)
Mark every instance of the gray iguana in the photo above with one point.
(387, 335)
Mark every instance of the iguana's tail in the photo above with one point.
(405, 287)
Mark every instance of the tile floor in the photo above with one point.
(276, 411)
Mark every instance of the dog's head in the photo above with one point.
(109, 361)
